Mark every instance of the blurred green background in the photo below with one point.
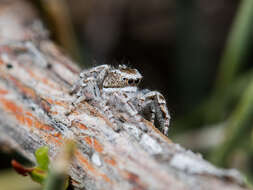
(198, 53)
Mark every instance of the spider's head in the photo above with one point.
(122, 77)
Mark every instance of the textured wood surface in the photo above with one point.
(34, 81)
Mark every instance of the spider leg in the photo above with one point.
(99, 72)
(74, 105)
(96, 73)
(122, 103)
(94, 70)
(119, 103)
(156, 104)
(89, 85)
(74, 89)
(152, 113)
(88, 91)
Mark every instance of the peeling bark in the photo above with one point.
(34, 81)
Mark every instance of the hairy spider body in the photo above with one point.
(118, 87)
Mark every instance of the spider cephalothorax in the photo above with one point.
(122, 77)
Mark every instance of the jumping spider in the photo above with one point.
(119, 86)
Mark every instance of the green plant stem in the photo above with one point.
(236, 46)
(238, 125)
(218, 107)
(235, 51)
(56, 181)
(58, 174)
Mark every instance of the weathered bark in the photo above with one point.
(34, 84)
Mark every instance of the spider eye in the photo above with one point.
(137, 81)
(130, 81)
(124, 78)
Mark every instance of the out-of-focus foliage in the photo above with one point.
(53, 176)
(58, 172)
(42, 158)
(38, 173)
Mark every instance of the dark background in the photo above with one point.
(176, 45)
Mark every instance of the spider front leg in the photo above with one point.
(97, 73)
(154, 108)
(88, 86)
(88, 90)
